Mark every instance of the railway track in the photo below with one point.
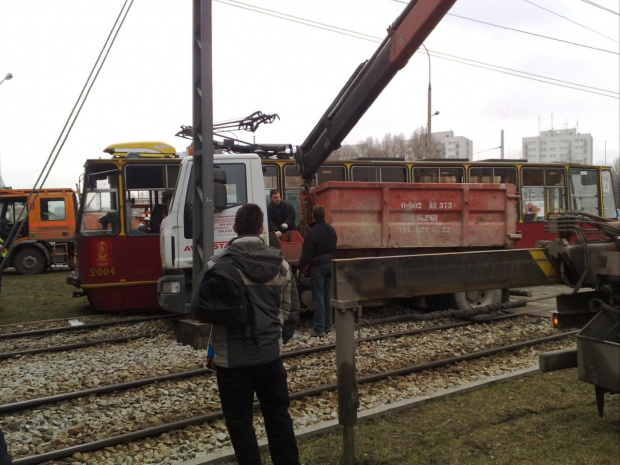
(36, 402)
(191, 406)
(54, 338)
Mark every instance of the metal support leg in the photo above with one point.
(600, 400)
(348, 397)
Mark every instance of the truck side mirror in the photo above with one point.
(220, 199)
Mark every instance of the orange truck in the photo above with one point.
(37, 228)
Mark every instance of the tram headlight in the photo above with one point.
(171, 287)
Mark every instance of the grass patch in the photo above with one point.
(25, 298)
(542, 419)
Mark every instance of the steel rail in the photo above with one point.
(141, 434)
(78, 345)
(32, 403)
(28, 404)
(61, 329)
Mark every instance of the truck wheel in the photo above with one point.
(472, 299)
(29, 261)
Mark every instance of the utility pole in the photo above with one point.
(429, 116)
(203, 137)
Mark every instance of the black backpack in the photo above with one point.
(222, 297)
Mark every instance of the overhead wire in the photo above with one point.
(456, 59)
(522, 32)
(601, 7)
(297, 19)
(487, 150)
(570, 20)
(66, 130)
(530, 76)
(534, 34)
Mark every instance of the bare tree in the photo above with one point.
(615, 179)
(394, 145)
(419, 147)
(369, 148)
(345, 152)
(390, 146)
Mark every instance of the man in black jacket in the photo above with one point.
(318, 252)
(248, 358)
(280, 214)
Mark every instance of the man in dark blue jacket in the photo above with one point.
(318, 252)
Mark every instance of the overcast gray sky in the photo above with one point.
(264, 62)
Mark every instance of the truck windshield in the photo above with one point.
(236, 193)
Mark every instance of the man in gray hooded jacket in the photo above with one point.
(247, 359)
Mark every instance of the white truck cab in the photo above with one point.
(244, 184)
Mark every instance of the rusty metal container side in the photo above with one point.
(291, 244)
(405, 215)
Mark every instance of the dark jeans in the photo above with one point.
(5, 458)
(237, 387)
(321, 283)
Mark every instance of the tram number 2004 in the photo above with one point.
(98, 272)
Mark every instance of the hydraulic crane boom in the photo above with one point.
(404, 37)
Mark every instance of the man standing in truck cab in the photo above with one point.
(318, 252)
(280, 214)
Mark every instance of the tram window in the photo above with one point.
(451, 175)
(145, 185)
(148, 177)
(492, 174)
(554, 177)
(428, 174)
(100, 213)
(584, 190)
(379, 173)
(331, 173)
(292, 178)
(270, 179)
(425, 174)
(52, 210)
(542, 192)
(172, 174)
(609, 204)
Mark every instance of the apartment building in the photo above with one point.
(558, 146)
(453, 147)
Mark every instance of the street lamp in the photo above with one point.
(428, 121)
(8, 77)
(428, 132)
